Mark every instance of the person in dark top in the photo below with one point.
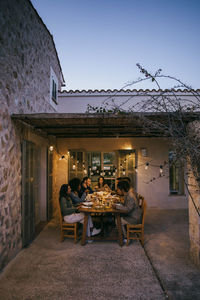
(70, 213)
(75, 185)
(89, 186)
(102, 185)
(83, 186)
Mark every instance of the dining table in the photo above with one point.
(102, 211)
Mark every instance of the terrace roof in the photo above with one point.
(90, 125)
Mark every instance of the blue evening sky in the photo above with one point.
(99, 42)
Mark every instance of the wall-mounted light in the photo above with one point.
(62, 157)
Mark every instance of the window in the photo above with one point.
(126, 165)
(77, 166)
(176, 175)
(108, 164)
(53, 88)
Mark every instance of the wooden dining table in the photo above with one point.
(102, 212)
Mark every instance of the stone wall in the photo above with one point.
(27, 52)
(194, 198)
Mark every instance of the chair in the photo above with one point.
(136, 231)
(67, 229)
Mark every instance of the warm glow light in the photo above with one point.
(146, 166)
(51, 148)
(74, 167)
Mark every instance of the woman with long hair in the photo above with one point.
(75, 185)
(102, 185)
(70, 213)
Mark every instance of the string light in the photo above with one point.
(114, 171)
(51, 148)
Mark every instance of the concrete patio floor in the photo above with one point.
(49, 269)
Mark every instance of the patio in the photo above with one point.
(49, 269)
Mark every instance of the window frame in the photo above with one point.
(53, 88)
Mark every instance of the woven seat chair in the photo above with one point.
(67, 229)
(136, 231)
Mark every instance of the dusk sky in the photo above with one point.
(99, 42)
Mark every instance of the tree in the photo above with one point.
(173, 115)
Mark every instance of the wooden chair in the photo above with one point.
(67, 229)
(136, 231)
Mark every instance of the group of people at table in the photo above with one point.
(74, 194)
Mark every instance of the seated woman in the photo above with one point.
(75, 185)
(102, 186)
(131, 205)
(70, 213)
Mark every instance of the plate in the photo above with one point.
(87, 204)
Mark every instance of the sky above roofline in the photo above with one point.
(99, 43)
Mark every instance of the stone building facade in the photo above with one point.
(28, 62)
(29, 71)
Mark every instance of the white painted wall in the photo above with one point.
(77, 101)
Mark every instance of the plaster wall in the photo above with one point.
(78, 101)
(156, 191)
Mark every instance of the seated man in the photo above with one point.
(131, 205)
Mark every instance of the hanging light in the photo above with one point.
(51, 148)
(146, 166)
(77, 161)
(161, 169)
(74, 167)
(120, 165)
(114, 173)
(136, 169)
(85, 171)
(91, 173)
(124, 172)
